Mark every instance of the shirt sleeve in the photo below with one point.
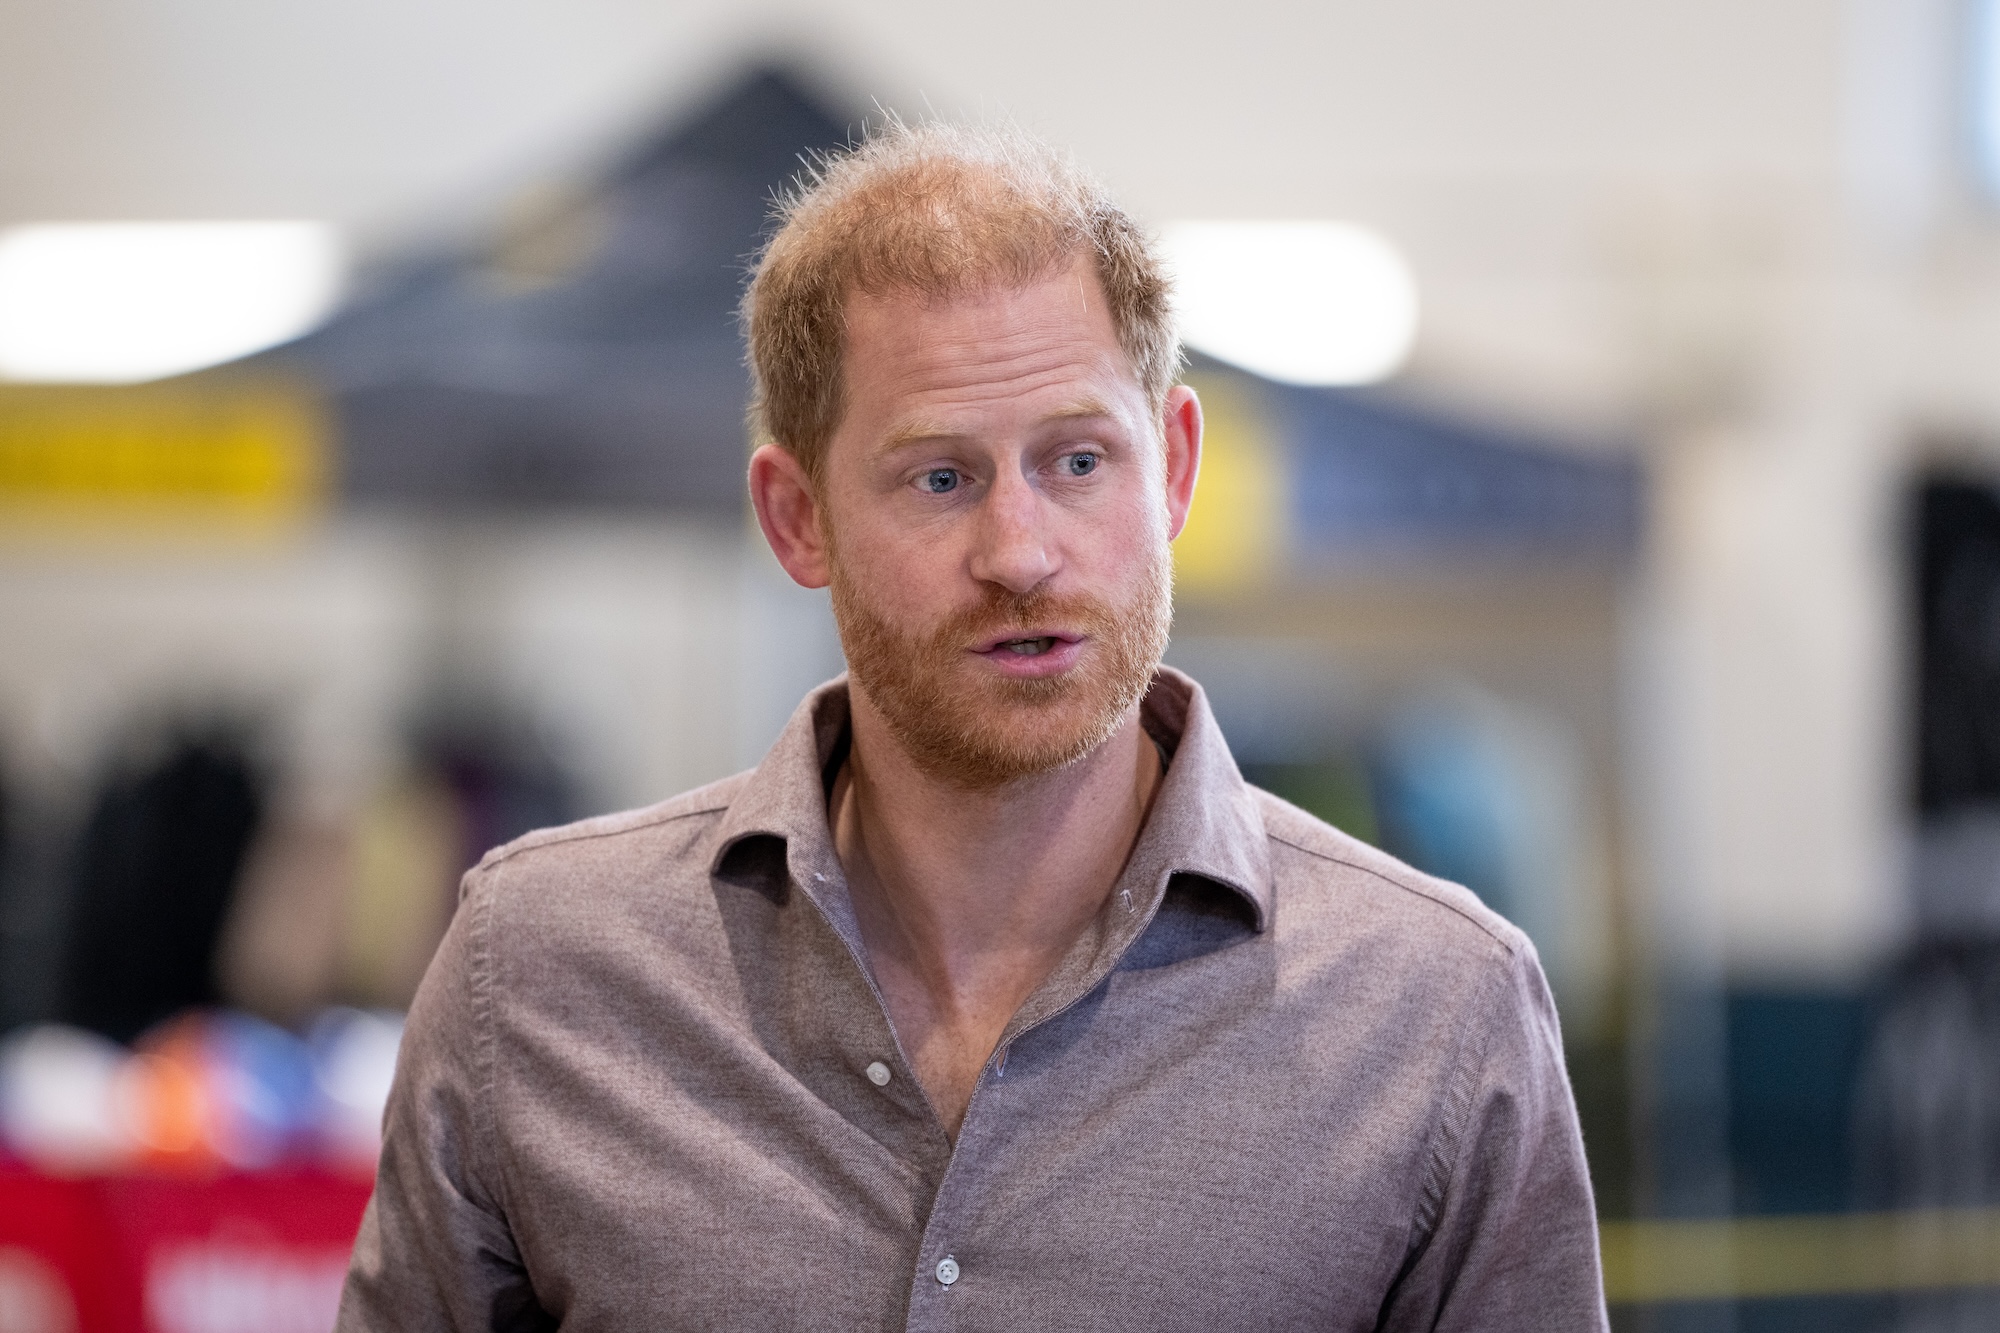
(1512, 1243)
(435, 1251)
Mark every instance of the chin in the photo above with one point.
(987, 733)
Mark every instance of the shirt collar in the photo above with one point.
(1205, 816)
(1204, 819)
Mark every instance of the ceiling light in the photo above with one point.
(1303, 302)
(1982, 90)
(120, 302)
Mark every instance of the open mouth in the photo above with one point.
(1032, 654)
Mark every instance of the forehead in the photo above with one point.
(1002, 351)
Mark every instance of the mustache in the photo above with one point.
(1001, 609)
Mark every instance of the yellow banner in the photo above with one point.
(1236, 531)
(201, 448)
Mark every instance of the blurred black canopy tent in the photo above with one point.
(592, 360)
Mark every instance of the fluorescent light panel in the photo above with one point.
(122, 302)
(1982, 92)
(1302, 302)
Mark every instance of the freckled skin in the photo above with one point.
(955, 468)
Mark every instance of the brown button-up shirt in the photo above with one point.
(1282, 1081)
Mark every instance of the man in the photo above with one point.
(993, 998)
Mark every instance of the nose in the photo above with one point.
(1012, 546)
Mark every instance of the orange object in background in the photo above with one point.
(261, 1252)
(164, 1088)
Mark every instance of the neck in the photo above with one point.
(967, 899)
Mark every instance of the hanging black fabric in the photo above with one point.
(150, 882)
(1958, 653)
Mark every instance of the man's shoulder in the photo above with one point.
(642, 842)
(1346, 889)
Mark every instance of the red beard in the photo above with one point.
(978, 730)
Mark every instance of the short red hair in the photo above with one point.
(935, 211)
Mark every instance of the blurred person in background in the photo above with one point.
(994, 996)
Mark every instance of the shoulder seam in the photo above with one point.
(1484, 929)
(557, 837)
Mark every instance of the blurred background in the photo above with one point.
(1602, 509)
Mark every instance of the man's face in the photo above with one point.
(995, 507)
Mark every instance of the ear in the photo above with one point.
(788, 512)
(1182, 428)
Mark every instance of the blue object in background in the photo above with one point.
(1472, 788)
(266, 1075)
(1794, 1060)
(1441, 802)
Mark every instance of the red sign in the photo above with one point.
(262, 1253)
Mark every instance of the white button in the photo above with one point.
(947, 1270)
(878, 1074)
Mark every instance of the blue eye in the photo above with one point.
(1080, 465)
(941, 480)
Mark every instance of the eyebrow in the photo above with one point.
(921, 429)
(1081, 409)
(913, 432)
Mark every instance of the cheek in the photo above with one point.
(1121, 547)
(1142, 520)
(901, 577)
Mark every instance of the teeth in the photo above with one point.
(1029, 647)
